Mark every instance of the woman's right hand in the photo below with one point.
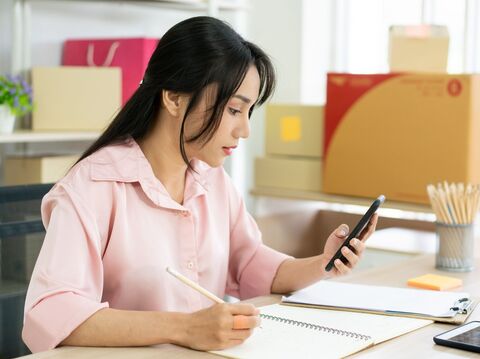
(213, 328)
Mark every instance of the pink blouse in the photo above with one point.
(112, 229)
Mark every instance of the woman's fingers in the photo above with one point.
(241, 334)
(243, 326)
(245, 319)
(351, 257)
(372, 224)
(341, 267)
(243, 309)
(358, 246)
(245, 322)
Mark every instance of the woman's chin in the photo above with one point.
(213, 162)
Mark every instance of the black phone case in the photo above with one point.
(356, 231)
(457, 345)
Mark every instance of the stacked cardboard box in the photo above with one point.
(75, 98)
(396, 133)
(418, 48)
(294, 147)
(36, 169)
(66, 99)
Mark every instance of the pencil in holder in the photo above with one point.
(455, 205)
(455, 247)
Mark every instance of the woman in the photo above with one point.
(151, 193)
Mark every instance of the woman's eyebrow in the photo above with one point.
(243, 98)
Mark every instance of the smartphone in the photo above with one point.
(466, 337)
(356, 232)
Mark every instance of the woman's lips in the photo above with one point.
(228, 150)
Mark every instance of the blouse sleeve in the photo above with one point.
(252, 265)
(67, 281)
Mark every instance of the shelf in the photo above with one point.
(198, 5)
(330, 198)
(187, 5)
(48, 136)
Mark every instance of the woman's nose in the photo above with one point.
(243, 129)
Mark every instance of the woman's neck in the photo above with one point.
(161, 148)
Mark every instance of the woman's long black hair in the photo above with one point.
(191, 55)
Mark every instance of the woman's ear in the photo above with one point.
(174, 103)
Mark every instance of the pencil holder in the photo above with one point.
(454, 247)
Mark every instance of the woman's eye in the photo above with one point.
(234, 111)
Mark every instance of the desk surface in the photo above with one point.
(417, 344)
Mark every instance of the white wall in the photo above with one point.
(6, 9)
(317, 30)
(296, 35)
(276, 29)
(53, 21)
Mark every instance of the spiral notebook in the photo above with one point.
(296, 332)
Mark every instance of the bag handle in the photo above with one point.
(108, 60)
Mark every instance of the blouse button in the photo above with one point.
(185, 213)
(190, 265)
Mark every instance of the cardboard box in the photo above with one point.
(295, 130)
(418, 48)
(394, 134)
(75, 98)
(288, 173)
(38, 169)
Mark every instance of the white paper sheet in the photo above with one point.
(378, 298)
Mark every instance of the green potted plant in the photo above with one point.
(15, 100)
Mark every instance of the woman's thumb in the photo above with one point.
(342, 231)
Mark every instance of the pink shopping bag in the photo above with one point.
(131, 55)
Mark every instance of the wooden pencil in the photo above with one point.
(454, 203)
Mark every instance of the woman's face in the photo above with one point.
(233, 125)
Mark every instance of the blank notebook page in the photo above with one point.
(332, 334)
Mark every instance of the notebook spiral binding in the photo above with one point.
(317, 327)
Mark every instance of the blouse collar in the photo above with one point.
(125, 162)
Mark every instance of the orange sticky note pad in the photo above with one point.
(435, 282)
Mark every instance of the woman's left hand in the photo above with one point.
(336, 239)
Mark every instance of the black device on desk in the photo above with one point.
(466, 337)
(356, 232)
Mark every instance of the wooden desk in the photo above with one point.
(417, 344)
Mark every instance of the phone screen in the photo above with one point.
(471, 336)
